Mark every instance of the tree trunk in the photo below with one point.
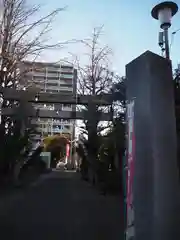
(16, 172)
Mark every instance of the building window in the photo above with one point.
(57, 126)
(66, 85)
(50, 78)
(66, 107)
(52, 91)
(66, 89)
(39, 77)
(67, 127)
(66, 69)
(52, 71)
(64, 92)
(68, 76)
(52, 84)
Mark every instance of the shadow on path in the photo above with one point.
(62, 207)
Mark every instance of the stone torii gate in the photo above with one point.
(36, 97)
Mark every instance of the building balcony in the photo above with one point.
(69, 89)
(58, 89)
(67, 70)
(66, 76)
(65, 84)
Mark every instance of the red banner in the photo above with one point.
(130, 173)
(67, 150)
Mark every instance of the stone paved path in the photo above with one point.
(61, 207)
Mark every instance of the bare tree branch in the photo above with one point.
(24, 35)
(94, 78)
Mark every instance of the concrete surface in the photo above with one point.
(156, 195)
(62, 207)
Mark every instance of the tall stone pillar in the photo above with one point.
(156, 187)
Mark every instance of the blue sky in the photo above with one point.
(128, 27)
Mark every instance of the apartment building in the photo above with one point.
(52, 78)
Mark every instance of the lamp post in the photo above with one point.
(164, 13)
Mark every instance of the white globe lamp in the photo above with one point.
(164, 12)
